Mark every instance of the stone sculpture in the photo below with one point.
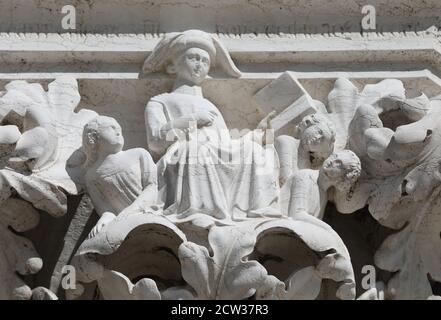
(118, 182)
(220, 216)
(196, 173)
(309, 188)
(40, 136)
(401, 186)
(211, 206)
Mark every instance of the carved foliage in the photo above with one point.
(40, 133)
(224, 274)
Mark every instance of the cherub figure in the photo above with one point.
(118, 182)
(315, 142)
(310, 189)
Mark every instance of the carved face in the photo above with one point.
(318, 140)
(102, 135)
(110, 136)
(193, 65)
(342, 169)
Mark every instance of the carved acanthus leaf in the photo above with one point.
(40, 138)
(414, 252)
(115, 285)
(225, 274)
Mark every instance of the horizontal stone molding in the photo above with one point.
(117, 56)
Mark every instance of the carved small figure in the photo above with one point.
(118, 182)
(310, 190)
(315, 142)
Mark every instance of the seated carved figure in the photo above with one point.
(310, 189)
(315, 142)
(196, 172)
(118, 182)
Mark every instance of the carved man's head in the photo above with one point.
(191, 66)
(102, 135)
(317, 136)
(342, 169)
(189, 55)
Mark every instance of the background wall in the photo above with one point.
(227, 16)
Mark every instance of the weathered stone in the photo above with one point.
(216, 162)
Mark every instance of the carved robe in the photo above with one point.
(302, 194)
(116, 184)
(209, 172)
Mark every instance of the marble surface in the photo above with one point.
(334, 132)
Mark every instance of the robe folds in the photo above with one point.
(207, 171)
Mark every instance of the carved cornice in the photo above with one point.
(122, 55)
(432, 32)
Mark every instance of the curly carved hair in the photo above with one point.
(315, 119)
(349, 163)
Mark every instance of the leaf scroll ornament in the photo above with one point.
(40, 137)
(414, 252)
(225, 273)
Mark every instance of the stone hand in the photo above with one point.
(205, 118)
(265, 126)
(265, 123)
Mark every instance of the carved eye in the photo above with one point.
(338, 163)
(192, 57)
